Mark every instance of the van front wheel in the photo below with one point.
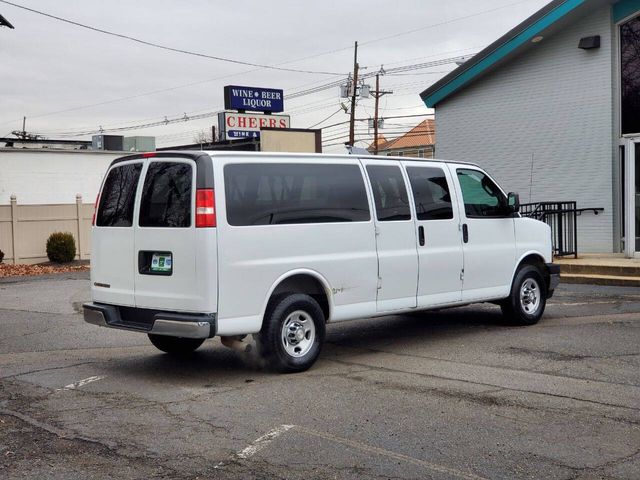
(292, 333)
(175, 345)
(528, 297)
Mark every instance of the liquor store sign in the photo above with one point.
(253, 99)
(248, 125)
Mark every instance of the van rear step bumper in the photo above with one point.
(156, 322)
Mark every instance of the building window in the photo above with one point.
(630, 75)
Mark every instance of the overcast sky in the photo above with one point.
(49, 66)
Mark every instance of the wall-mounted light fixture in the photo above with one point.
(588, 43)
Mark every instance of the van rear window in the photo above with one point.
(166, 195)
(118, 195)
(264, 194)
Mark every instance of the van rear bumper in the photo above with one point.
(156, 322)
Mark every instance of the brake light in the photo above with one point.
(205, 208)
(95, 210)
(148, 154)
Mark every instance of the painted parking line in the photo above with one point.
(81, 383)
(390, 454)
(259, 443)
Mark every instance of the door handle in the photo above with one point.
(465, 233)
(421, 235)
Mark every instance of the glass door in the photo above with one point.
(631, 200)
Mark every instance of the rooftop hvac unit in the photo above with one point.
(107, 142)
(140, 144)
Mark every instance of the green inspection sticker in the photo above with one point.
(161, 262)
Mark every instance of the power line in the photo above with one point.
(165, 47)
(326, 86)
(446, 22)
(330, 116)
(407, 32)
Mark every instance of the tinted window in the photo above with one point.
(166, 195)
(389, 193)
(431, 193)
(118, 195)
(263, 194)
(482, 197)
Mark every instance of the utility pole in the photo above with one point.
(352, 120)
(377, 93)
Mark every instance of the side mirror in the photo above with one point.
(513, 200)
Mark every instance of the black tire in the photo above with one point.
(520, 311)
(175, 345)
(272, 341)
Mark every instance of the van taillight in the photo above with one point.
(205, 208)
(95, 210)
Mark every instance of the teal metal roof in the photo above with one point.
(513, 43)
(625, 8)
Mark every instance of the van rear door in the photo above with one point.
(174, 236)
(112, 272)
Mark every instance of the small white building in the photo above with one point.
(46, 176)
(552, 109)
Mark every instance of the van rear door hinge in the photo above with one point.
(379, 283)
(462, 275)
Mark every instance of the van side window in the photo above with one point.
(166, 195)
(431, 193)
(118, 195)
(389, 193)
(272, 193)
(482, 197)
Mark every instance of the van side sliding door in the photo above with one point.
(395, 236)
(438, 231)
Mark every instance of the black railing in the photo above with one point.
(562, 218)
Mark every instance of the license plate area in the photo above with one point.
(155, 263)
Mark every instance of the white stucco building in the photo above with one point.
(552, 110)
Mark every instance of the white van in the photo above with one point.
(189, 245)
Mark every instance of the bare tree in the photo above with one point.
(203, 136)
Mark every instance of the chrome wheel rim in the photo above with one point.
(530, 296)
(298, 333)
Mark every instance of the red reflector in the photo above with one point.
(95, 210)
(205, 208)
(148, 154)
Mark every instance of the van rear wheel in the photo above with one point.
(175, 345)
(528, 297)
(292, 333)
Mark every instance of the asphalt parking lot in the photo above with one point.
(446, 395)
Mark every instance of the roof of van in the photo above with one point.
(220, 153)
(275, 155)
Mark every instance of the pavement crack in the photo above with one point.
(61, 367)
(484, 384)
(55, 430)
